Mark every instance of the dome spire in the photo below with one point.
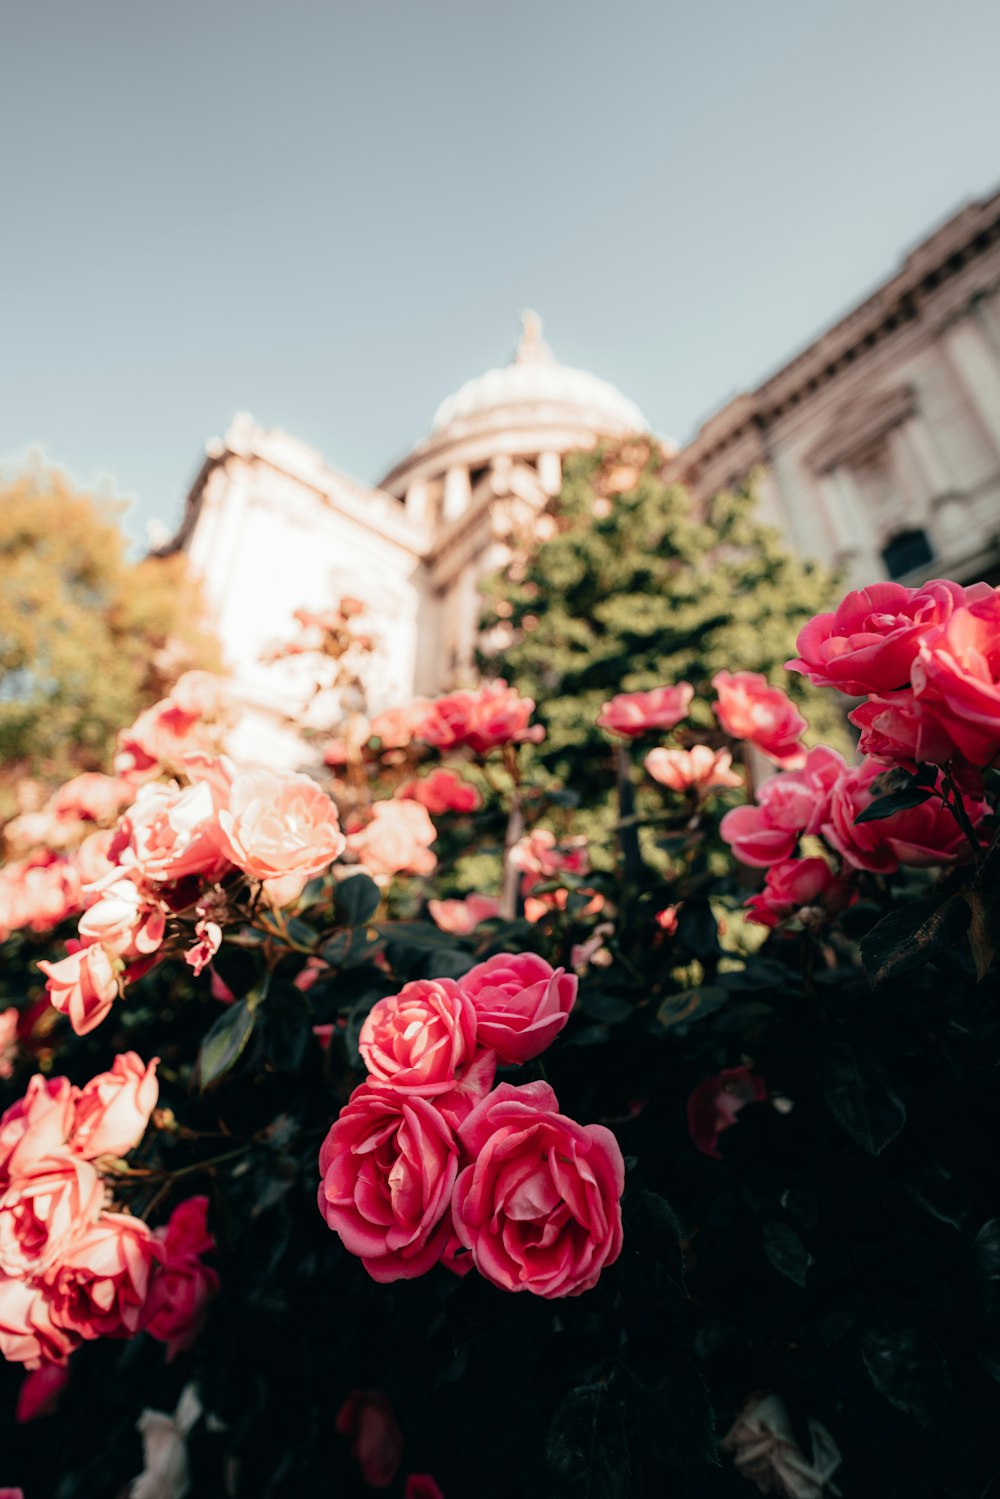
(531, 347)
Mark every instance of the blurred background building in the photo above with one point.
(877, 449)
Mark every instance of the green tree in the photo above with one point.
(87, 637)
(638, 587)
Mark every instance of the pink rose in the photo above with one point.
(39, 1394)
(199, 694)
(274, 826)
(473, 1083)
(91, 797)
(463, 916)
(923, 835)
(789, 804)
(634, 713)
(441, 791)
(748, 708)
(168, 834)
(113, 1109)
(83, 985)
(37, 1125)
(898, 728)
(700, 766)
(869, 642)
(715, 1103)
(388, 1166)
(394, 728)
(44, 1209)
(418, 1486)
(397, 840)
(540, 1207)
(521, 1003)
(956, 677)
(183, 1285)
(485, 719)
(416, 1041)
(97, 1288)
(369, 1421)
(28, 1335)
(793, 883)
(91, 860)
(123, 921)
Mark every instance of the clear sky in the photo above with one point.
(329, 212)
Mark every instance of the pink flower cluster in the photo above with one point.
(428, 1162)
(73, 1267)
(481, 720)
(541, 858)
(823, 799)
(928, 661)
(441, 791)
(396, 839)
(168, 851)
(190, 720)
(633, 713)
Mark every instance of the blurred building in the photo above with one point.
(878, 446)
(270, 526)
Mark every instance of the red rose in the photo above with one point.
(540, 1207)
(441, 791)
(793, 883)
(183, 1285)
(368, 1419)
(715, 1103)
(388, 1166)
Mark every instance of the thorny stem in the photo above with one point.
(957, 808)
(141, 1174)
(628, 831)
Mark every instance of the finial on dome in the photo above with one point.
(531, 347)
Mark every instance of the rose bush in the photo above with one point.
(652, 1147)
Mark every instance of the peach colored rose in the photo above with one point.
(869, 642)
(84, 985)
(793, 883)
(417, 1041)
(521, 1003)
(37, 1125)
(209, 940)
(633, 713)
(919, 836)
(98, 1286)
(538, 853)
(956, 677)
(91, 797)
(441, 791)
(183, 1285)
(278, 826)
(38, 892)
(397, 840)
(123, 921)
(540, 1207)
(748, 708)
(388, 1166)
(200, 694)
(700, 766)
(91, 859)
(715, 1103)
(113, 1110)
(168, 834)
(368, 1420)
(395, 727)
(44, 1209)
(28, 1335)
(463, 916)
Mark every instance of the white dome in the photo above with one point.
(535, 379)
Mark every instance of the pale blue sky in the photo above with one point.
(329, 214)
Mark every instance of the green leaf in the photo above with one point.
(226, 1041)
(911, 935)
(652, 1263)
(671, 1410)
(691, 1004)
(587, 1449)
(986, 1254)
(908, 1369)
(611, 1008)
(356, 900)
(287, 1026)
(896, 801)
(786, 1251)
(860, 1097)
(983, 928)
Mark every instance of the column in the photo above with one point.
(857, 542)
(457, 492)
(416, 502)
(979, 373)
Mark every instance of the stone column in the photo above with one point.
(925, 452)
(855, 539)
(457, 492)
(979, 372)
(550, 472)
(416, 502)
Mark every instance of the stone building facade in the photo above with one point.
(878, 446)
(877, 449)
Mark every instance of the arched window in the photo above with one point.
(907, 551)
